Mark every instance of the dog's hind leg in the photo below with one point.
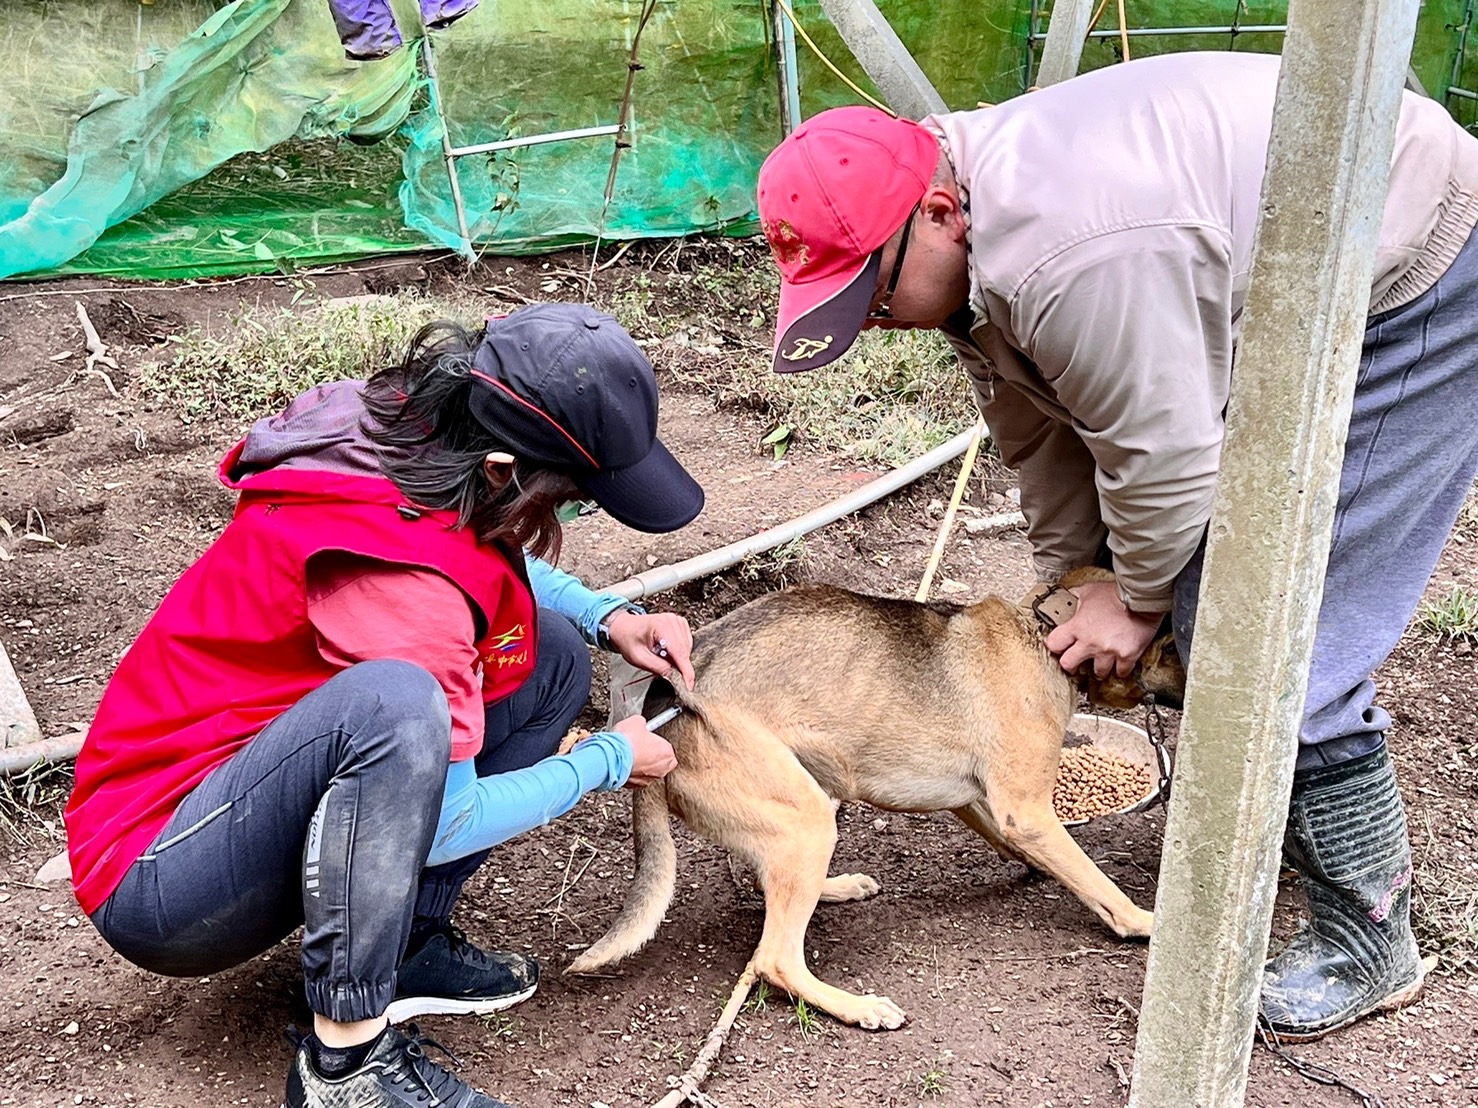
(788, 834)
(1034, 833)
(794, 873)
(977, 818)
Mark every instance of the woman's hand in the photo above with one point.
(1103, 631)
(658, 643)
(651, 755)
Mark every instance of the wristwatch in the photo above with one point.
(602, 629)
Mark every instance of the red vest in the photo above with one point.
(231, 647)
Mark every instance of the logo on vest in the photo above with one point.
(507, 648)
(806, 349)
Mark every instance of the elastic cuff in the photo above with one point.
(619, 758)
(351, 1002)
(1147, 605)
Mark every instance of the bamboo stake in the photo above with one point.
(949, 514)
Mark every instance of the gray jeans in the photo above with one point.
(1410, 460)
(324, 820)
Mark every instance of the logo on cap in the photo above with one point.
(806, 349)
(785, 242)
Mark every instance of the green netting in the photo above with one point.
(182, 137)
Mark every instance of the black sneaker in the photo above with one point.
(397, 1074)
(449, 976)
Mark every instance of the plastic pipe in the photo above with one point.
(666, 577)
(16, 759)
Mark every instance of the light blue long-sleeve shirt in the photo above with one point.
(480, 812)
(566, 594)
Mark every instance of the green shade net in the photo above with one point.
(183, 137)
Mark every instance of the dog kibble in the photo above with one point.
(573, 736)
(1092, 782)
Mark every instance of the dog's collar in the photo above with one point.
(1051, 604)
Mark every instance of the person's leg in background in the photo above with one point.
(366, 28)
(442, 972)
(437, 14)
(313, 822)
(1410, 460)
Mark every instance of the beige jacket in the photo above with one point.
(1111, 237)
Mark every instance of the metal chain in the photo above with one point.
(1154, 727)
(1311, 1071)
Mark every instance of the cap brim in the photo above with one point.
(820, 320)
(654, 495)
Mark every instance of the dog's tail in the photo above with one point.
(655, 856)
(650, 892)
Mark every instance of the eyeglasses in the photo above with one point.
(882, 311)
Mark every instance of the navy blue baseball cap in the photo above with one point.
(566, 386)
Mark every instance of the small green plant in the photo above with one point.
(934, 1083)
(807, 1021)
(500, 1025)
(1455, 617)
(777, 567)
(759, 998)
(778, 440)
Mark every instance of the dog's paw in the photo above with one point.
(848, 886)
(878, 1013)
(1135, 925)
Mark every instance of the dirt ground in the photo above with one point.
(1015, 994)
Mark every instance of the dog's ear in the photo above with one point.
(1162, 673)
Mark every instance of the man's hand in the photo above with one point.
(1103, 631)
(658, 643)
(651, 755)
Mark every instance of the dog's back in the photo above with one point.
(845, 679)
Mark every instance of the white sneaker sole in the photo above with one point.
(410, 1007)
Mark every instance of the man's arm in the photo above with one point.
(1133, 330)
(1056, 472)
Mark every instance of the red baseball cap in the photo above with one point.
(830, 195)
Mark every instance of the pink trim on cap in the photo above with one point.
(539, 411)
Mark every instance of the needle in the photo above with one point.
(664, 717)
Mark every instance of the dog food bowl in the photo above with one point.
(1126, 741)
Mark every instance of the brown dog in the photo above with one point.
(812, 696)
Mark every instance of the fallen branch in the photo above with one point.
(689, 1085)
(97, 350)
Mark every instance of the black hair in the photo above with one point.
(419, 414)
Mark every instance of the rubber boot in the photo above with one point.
(1346, 837)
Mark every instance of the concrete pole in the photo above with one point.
(1067, 29)
(883, 57)
(17, 721)
(1338, 94)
